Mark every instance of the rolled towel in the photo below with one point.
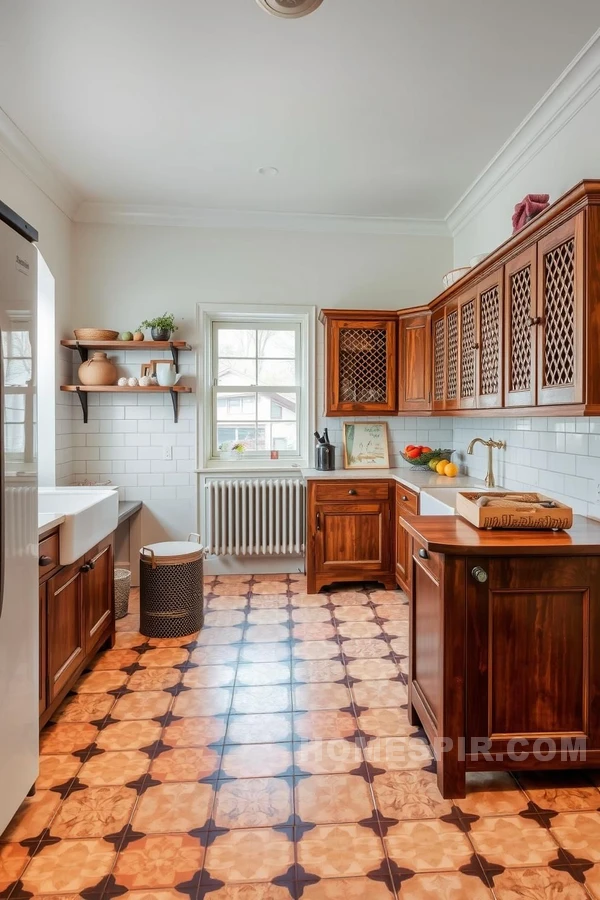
(529, 207)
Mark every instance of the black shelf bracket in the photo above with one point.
(175, 402)
(83, 353)
(175, 355)
(83, 399)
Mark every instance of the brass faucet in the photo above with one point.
(490, 481)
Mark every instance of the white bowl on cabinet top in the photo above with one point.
(90, 514)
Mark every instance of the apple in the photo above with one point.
(414, 453)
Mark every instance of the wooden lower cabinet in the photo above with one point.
(76, 618)
(406, 502)
(349, 532)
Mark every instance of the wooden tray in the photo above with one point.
(512, 509)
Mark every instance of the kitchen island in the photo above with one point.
(504, 646)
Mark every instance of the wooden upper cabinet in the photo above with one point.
(451, 399)
(520, 311)
(467, 343)
(414, 362)
(360, 362)
(490, 293)
(438, 351)
(560, 311)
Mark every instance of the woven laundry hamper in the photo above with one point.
(171, 588)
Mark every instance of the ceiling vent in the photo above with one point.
(289, 9)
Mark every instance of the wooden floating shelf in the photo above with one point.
(82, 390)
(126, 345)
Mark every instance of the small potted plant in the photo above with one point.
(161, 328)
(232, 449)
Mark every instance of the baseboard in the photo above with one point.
(254, 565)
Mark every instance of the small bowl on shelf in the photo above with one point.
(422, 461)
(452, 277)
(95, 334)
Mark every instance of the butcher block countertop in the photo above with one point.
(453, 535)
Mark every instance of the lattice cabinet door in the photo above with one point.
(452, 363)
(560, 330)
(438, 353)
(520, 316)
(361, 357)
(489, 368)
(467, 344)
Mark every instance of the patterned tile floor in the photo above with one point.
(271, 757)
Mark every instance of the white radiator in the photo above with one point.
(254, 516)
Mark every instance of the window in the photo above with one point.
(19, 392)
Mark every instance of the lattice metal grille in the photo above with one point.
(452, 355)
(490, 341)
(363, 365)
(438, 359)
(520, 335)
(559, 324)
(467, 350)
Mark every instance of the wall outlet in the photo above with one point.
(167, 453)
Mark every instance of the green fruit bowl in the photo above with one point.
(425, 458)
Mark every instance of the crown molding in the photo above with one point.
(575, 87)
(195, 217)
(27, 158)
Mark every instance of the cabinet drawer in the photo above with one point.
(432, 562)
(48, 548)
(406, 501)
(352, 490)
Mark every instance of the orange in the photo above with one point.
(451, 470)
(426, 450)
(441, 466)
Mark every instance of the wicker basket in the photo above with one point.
(95, 334)
(122, 584)
(171, 588)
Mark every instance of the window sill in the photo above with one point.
(262, 465)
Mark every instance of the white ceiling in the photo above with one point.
(367, 107)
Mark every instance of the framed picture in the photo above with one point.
(365, 445)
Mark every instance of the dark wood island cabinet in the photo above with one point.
(505, 646)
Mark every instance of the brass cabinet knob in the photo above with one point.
(352, 492)
(479, 574)
(404, 498)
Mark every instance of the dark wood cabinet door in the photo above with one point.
(560, 333)
(406, 502)
(489, 357)
(414, 363)
(520, 311)
(65, 627)
(352, 536)
(533, 661)
(43, 656)
(438, 345)
(467, 344)
(451, 398)
(98, 593)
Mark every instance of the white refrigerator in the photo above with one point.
(19, 597)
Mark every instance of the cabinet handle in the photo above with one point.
(479, 574)
(45, 561)
(423, 553)
(475, 346)
(352, 492)
(85, 568)
(318, 521)
(535, 320)
(404, 498)
(92, 564)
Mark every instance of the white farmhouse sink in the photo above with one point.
(442, 501)
(90, 514)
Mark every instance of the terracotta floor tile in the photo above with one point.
(399, 753)
(349, 598)
(253, 803)
(173, 807)
(592, 881)
(328, 757)
(128, 735)
(209, 676)
(313, 631)
(174, 641)
(513, 841)
(164, 658)
(268, 699)
(560, 791)
(321, 696)
(203, 702)
(251, 674)
(303, 600)
(263, 634)
(268, 617)
(69, 867)
(269, 601)
(237, 601)
(374, 694)
(492, 794)
(316, 650)
(114, 659)
(451, 886)
(354, 614)
(34, 814)
(359, 629)
(243, 855)
(259, 653)
(194, 732)
(185, 764)
(311, 615)
(67, 737)
(579, 833)
(129, 623)
(429, 845)
(537, 884)
(391, 611)
(94, 812)
(279, 577)
(56, 769)
(400, 646)
(141, 705)
(396, 597)
(409, 795)
(331, 851)
(269, 587)
(323, 724)
(232, 579)
(346, 889)
(257, 891)
(396, 628)
(159, 861)
(13, 859)
(333, 798)
(365, 648)
(385, 722)
(256, 761)
(215, 636)
(214, 656)
(259, 729)
(230, 589)
(100, 682)
(114, 768)
(224, 617)
(154, 679)
(318, 670)
(84, 708)
(372, 669)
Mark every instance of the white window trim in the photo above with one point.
(207, 314)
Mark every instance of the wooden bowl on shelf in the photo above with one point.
(95, 334)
